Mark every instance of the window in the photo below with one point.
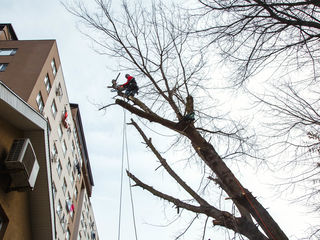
(3, 66)
(60, 133)
(64, 186)
(85, 226)
(8, 52)
(64, 147)
(87, 211)
(40, 102)
(72, 178)
(75, 135)
(47, 83)
(69, 165)
(63, 222)
(59, 210)
(49, 126)
(59, 91)
(75, 161)
(59, 168)
(82, 220)
(75, 193)
(54, 153)
(68, 235)
(69, 206)
(54, 109)
(68, 203)
(53, 66)
(69, 131)
(73, 148)
(78, 168)
(54, 190)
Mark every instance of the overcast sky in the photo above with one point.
(86, 75)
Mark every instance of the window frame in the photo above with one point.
(40, 102)
(54, 67)
(54, 190)
(64, 186)
(69, 165)
(73, 148)
(47, 83)
(49, 126)
(3, 66)
(68, 234)
(59, 209)
(59, 168)
(64, 147)
(72, 178)
(54, 109)
(13, 51)
(60, 132)
(59, 91)
(75, 193)
(54, 151)
(63, 221)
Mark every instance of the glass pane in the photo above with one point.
(47, 83)
(3, 66)
(53, 66)
(8, 52)
(53, 109)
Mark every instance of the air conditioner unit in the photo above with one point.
(22, 165)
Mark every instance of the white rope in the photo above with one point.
(121, 177)
(125, 148)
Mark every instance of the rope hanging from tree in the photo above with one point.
(124, 153)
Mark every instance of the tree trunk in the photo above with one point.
(232, 186)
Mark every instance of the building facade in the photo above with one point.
(32, 69)
(24, 214)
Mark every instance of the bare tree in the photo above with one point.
(292, 121)
(255, 34)
(280, 36)
(156, 45)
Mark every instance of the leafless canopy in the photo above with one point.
(254, 33)
(157, 47)
(283, 36)
(292, 122)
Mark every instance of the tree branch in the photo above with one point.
(172, 173)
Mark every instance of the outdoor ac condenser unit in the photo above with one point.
(22, 165)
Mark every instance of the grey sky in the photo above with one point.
(86, 77)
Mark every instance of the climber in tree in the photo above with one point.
(130, 86)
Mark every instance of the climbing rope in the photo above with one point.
(256, 211)
(124, 153)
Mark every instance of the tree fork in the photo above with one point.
(233, 187)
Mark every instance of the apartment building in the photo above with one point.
(32, 70)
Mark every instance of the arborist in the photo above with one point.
(130, 86)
